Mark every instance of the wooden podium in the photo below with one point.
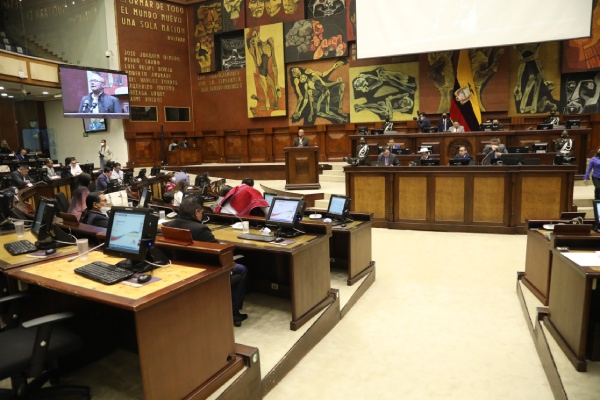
(301, 168)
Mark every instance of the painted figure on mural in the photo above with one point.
(208, 19)
(385, 109)
(204, 49)
(484, 64)
(317, 95)
(441, 72)
(272, 7)
(233, 54)
(532, 91)
(381, 78)
(325, 8)
(581, 93)
(256, 7)
(263, 55)
(233, 7)
(290, 6)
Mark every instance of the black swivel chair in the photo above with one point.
(31, 350)
(63, 203)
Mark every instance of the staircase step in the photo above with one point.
(332, 178)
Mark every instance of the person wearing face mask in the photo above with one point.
(97, 209)
(105, 154)
(444, 123)
(190, 217)
(595, 166)
(103, 179)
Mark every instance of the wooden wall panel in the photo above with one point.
(213, 149)
(540, 197)
(412, 192)
(259, 149)
(488, 199)
(368, 195)
(450, 198)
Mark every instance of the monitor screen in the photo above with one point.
(460, 161)
(486, 126)
(91, 125)
(44, 217)
(88, 168)
(338, 207)
(517, 149)
(130, 232)
(597, 213)
(539, 147)
(155, 171)
(511, 159)
(285, 212)
(545, 126)
(269, 197)
(144, 197)
(573, 123)
(101, 92)
(430, 161)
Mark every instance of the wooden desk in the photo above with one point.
(301, 168)
(299, 271)
(8, 261)
(574, 305)
(183, 322)
(487, 199)
(184, 156)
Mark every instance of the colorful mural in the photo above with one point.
(233, 52)
(581, 55)
(325, 8)
(580, 93)
(384, 92)
(313, 39)
(265, 80)
(263, 12)
(318, 94)
(234, 17)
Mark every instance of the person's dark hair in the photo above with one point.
(248, 181)
(224, 190)
(24, 166)
(117, 165)
(181, 186)
(189, 205)
(183, 169)
(175, 141)
(107, 169)
(83, 179)
(92, 198)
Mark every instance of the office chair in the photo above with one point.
(63, 203)
(31, 350)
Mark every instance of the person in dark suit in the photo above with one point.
(4, 148)
(96, 211)
(190, 217)
(301, 141)
(463, 153)
(22, 155)
(103, 179)
(444, 123)
(388, 158)
(423, 122)
(20, 177)
(496, 148)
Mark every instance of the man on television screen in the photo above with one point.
(97, 101)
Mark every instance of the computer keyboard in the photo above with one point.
(104, 273)
(20, 247)
(257, 238)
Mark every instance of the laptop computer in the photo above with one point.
(377, 163)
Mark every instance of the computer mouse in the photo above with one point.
(49, 252)
(144, 278)
(278, 240)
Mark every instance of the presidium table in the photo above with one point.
(485, 199)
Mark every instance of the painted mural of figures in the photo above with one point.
(325, 8)
(484, 64)
(581, 93)
(208, 19)
(317, 95)
(369, 82)
(263, 55)
(290, 6)
(204, 49)
(532, 92)
(385, 109)
(315, 39)
(272, 7)
(256, 7)
(441, 71)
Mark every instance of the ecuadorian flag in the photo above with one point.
(464, 106)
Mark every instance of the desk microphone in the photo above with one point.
(85, 252)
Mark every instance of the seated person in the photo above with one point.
(456, 127)
(22, 155)
(4, 148)
(182, 176)
(77, 205)
(103, 179)
(178, 192)
(75, 168)
(243, 200)
(174, 144)
(117, 173)
(463, 153)
(392, 145)
(362, 153)
(388, 126)
(20, 177)
(564, 144)
(496, 148)
(496, 125)
(388, 158)
(96, 211)
(248, 181)
(190, 217)
(83, 179)
(222, 193)
(552, 118)
(424, 152)
(49, 167)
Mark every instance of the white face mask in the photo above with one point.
(102, 144)
(104, 210)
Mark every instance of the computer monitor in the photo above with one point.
(539, 147)
(155, 171)
(517, 149)
(431, 129)
(396, 151)
(511, 159)
(113, 186)
(88, 168)
(285, 214)
(339, 207)
(486, 126)
(44, 217)
(142, 174)
(573, 123)
(596, 214)
(430, 161)
(144, 198)
(130, 234)
(545, 126)
(127, 177)
(65, 171)
(269, 197)
(6, 203)
(460, 161)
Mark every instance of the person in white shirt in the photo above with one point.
(75, 168)
(50, 168)
(456, 127)
(117, 173)
(179, 190)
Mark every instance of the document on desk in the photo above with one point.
(584, 259)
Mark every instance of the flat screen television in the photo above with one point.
(285, 214)
(339, 207)
(101, 92)
(430, 161)
(91, 125)
(539, 147)
(517, 149)
(460, 161)
(88, 168)
(129, 234)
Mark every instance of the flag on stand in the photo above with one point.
(464, 106)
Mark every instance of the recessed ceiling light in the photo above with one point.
(10, 97)
(44, 92)
(1, 87)
(3, 94)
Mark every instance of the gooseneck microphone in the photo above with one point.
(86, 105)
(85, 252)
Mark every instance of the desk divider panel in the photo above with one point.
(488, 198)
(369, 194)
(412, 194)
(450, 198)
(540, 197)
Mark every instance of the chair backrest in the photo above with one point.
(63, 203)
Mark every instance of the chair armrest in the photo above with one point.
(7, 299)
(47, 319)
